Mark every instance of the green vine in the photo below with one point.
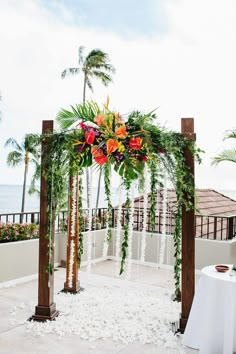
(107, 176)
(81, 219)
(125, 242)
(153, 189)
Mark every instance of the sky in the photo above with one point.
(174, 55)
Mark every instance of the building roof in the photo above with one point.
(208, 202)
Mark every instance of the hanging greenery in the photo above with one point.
(125, 144)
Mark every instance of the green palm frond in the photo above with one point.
(230, 134)
(81, 55)
(31, 144)
(14, 144)
(69, 71)
(96, 55)
(15, 158)
(103, 77)
(226, 155)
(89, 84)
(82, 112)
(66, 118)
(104, 67)
(88, 111)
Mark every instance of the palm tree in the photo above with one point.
(25, 153)
(94, 65)
(228, 154)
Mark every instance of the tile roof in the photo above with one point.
(208, 202)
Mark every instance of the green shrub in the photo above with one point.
(16, 232)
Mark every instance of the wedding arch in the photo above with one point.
(127, 145)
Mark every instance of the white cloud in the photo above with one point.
(188, 72)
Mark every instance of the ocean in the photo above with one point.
(11, 196)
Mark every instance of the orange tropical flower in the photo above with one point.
(112, 145)
(121, 132)
(95, 150)
(135, 143)
(99, 119)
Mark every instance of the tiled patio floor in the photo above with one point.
(15, 309)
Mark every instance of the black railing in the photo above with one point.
(215, 227)
(28, 217)
(206, 227)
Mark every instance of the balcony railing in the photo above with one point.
(206, 227)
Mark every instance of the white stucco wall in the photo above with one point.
(20, 259)
(207, 252)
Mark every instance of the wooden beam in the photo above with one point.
(46, 309)
(188, 236)
(72, 283)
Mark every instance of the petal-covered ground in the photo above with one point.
(121, 314)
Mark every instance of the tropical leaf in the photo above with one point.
(226, 155)
(230, 134)
(81, 55)
(70, 71)
(103, 77)
(66, 118)
(14, 158)
(14, 144)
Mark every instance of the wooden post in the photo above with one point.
(72, 283)
(188, 236)
(46, 309)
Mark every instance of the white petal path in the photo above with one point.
(122, 314)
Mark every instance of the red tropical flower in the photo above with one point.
(135, 143)
(112, 145)
(101, 159)
(89, 136)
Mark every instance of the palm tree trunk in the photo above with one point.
(23, 193)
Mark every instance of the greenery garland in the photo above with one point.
(125, 242)
(107, 177)
(154, 181)
(81, 219)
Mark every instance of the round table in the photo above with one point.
(211, 326)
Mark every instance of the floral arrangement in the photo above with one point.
(129, 144)
(17, 232)
(126, 143)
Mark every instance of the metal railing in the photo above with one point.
(27, 217)
(206, 227)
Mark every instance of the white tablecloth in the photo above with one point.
(211, 326)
